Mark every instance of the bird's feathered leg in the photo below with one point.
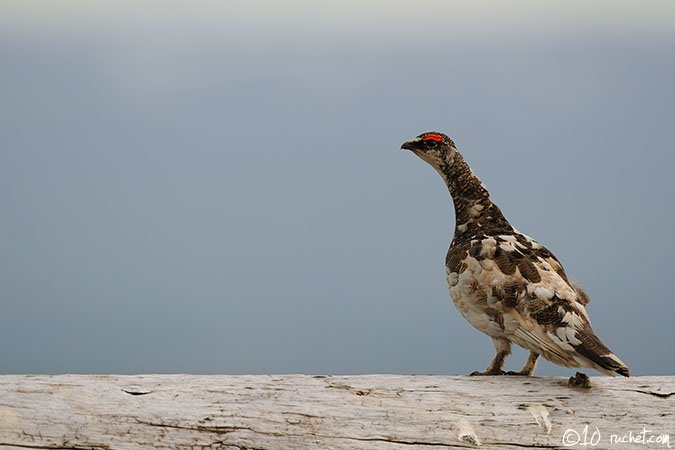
(529, 366)
(496, 366)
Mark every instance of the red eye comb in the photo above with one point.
(432, 137)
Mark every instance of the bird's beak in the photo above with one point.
(410, 145)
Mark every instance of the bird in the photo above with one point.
(506, 284)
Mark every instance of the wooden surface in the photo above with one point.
(335, 412)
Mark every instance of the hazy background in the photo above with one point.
(217, 187)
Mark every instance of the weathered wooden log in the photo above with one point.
(332, 412)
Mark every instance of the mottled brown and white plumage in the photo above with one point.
(505, 283)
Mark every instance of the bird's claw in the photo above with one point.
(487, 373)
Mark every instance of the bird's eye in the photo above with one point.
(430, 143)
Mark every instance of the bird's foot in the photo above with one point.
(517, 374)
(487, 373)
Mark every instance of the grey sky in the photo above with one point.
(219, 188)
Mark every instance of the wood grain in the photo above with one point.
(325, 412)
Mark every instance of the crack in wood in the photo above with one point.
(223, 444)
(227, 429)
(653, 393)
(56, 447)
(130, 392)
(656, 394)
(219, 429)
(514, 444)
(398, 441)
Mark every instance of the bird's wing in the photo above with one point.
(542, 310)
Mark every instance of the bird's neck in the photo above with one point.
(475, 214)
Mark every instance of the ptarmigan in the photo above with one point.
(505, 283)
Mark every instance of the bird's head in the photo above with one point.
(435, 148)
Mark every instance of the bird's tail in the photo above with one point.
(613, 363)
(594, 350)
